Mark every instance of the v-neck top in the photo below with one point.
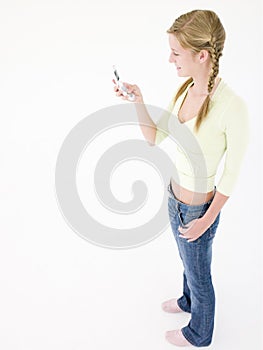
(181, 101)
(197, 155)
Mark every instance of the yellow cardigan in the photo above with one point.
(225, 130)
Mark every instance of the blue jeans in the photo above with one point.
(198, 292)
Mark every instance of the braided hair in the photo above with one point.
(200, 30)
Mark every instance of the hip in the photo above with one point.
(189, 197)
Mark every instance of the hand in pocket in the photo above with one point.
(193, 230)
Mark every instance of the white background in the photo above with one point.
(57, 290)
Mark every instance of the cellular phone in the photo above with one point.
(122, 87)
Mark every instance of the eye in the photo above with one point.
(176, 54)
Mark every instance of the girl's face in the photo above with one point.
(187, 63)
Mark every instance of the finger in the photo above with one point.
(191, 240)
(188, 234)
(119, 92)
(116, 86)
(183, 229)
(128, 86)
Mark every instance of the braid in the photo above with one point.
(215, 54)
(215, 65)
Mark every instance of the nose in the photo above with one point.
(171, 58)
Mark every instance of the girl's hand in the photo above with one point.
(193, 230)
(131, 89)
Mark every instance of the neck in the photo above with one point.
(200, 86)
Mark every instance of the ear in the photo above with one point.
(203, 56)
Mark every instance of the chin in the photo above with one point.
(181, 74)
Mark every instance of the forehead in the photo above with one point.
(174, 43)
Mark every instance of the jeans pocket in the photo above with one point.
(191, 214)
(213, 227)
(172, 212)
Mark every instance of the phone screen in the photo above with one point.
(116, 73)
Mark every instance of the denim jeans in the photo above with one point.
(198, 293)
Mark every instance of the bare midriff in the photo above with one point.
(190, 197)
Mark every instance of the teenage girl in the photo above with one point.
(218, 120)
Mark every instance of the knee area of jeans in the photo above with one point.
(201, 286)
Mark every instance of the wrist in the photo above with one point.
(139, 100)
(207, 220)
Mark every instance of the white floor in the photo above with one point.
(60, 292)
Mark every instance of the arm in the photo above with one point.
(217, 204)
(236, 130)
(147, 125)
(153, 133)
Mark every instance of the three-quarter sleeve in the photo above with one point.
(236, 130)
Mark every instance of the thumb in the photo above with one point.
(128, 86)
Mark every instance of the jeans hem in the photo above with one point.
(182, 330)
(191, 342)
(178, 302)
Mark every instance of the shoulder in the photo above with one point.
(232, 106)
(227, 96)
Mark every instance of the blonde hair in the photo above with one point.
(200, 30)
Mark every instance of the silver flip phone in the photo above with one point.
(122, 87)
